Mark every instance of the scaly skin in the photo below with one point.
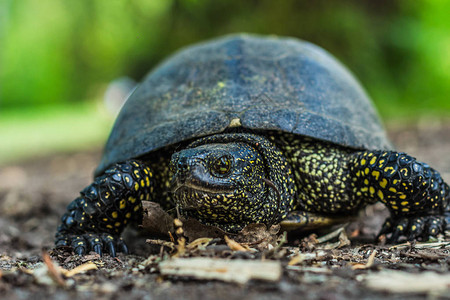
(231, 180)
(261, 184)
(95, 220)
(415, 194)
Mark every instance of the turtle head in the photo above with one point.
(224, 184)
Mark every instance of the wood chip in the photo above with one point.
(331, 235)
(432, 245)
(406, 282)
(301, 257)
(238, 271)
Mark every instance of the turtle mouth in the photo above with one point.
(179, 187)
(192, 197)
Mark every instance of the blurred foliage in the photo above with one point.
(58, 51)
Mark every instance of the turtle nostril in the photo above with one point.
(182, 165)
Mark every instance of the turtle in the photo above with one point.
(249, 129)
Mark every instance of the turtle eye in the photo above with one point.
(222, 165)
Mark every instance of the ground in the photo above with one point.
(350, 265)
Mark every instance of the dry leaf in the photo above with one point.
(193, 230)
(170, 245)
(53, 269)
(235, 246)
(80, 269)
(181, 247)
(258, 236)
(369, 263)
(201, 242)
(156, 220)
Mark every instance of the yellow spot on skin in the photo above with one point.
(366, 171)
(389, 170)
(395, 181)
(400, 227)
(109, 226)
(114, 214)
(122, 204)
(142, 183)
(404, 203)
(380, 194)
(373, 160)
(414, 227)
(136, 208)
(117, 224)
(105, 220)
(372, 190)
(136, 186)
(405, 209)
(402, 196)
(404, 171)
(366, 181)
(383, 183)
(107, 195)
(392, 190)
(131, 199)
(363, 162)
(147, 181)
(128, 215)
(127, 179)
(376, 174)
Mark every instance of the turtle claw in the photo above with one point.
(98, 249)
(98, 243)
(122, 246)
(412, 228)
(80, 250)
(111, 249)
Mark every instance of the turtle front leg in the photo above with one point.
(95, 220)
(415, 194)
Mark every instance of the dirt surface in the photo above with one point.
(33, 196)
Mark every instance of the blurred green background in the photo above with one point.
(57, 57)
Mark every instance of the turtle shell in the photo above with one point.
(258, 83)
